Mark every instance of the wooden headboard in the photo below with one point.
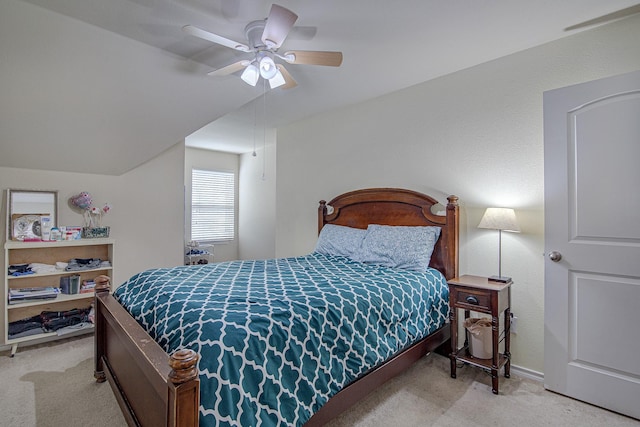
(394, 206)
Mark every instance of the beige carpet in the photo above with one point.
(52, 385)
(426, 395)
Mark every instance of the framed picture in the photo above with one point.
(26, 226)
(30, 202)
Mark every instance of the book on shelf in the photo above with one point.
(88, 286)
(70, 284)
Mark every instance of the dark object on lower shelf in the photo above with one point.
(25, 327)
(54, 320)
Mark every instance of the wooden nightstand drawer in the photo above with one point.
(477, 300)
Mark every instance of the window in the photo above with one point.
(212, 205)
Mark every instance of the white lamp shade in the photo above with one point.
(500, 219)
(277, 80)
(268, 68)
(250, 75)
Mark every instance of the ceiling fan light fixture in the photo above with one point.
(250, 75)
(265, 37)
(268, 68)
(277, 80)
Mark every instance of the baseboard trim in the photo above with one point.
(527, 373)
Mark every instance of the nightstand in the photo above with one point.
(479, 294)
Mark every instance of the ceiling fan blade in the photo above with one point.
(229, 69)
(313, 57)
(206, 35)
(279, 23)
(289, 81)
(623, 13)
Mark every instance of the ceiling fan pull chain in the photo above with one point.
(264, 134)
(255, 120)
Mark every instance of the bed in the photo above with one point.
(155, 388)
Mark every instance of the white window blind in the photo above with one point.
(212, 205)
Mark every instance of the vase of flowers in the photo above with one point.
(91, 215)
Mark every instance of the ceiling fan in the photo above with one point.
(264, 38)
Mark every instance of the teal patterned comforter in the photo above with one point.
(277, 338)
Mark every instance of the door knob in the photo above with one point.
(555, 256)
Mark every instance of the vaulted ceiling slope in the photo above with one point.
(100, 86)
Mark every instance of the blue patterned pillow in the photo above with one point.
(399, 246)
(340, 240)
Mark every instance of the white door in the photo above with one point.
(592, 221)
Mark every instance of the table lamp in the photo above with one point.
(501, 219)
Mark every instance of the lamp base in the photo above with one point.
(500, 279)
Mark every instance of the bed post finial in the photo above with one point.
(103, 283)
(184, 389)
(183, 366)
(453, 224)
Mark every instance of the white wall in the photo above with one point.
(150, 203)
(477, 133)
(257, 202)
(196, 158)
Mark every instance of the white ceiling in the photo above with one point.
(127, 102)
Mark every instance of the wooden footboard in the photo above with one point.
(151, 388)
(155, 389)
(152, 392)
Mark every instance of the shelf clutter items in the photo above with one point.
(32, 294)
(61, 322)
(197, 253)
(49, 287)
(68, 284)
(52, 321)
(74, 264)
(36, 227)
